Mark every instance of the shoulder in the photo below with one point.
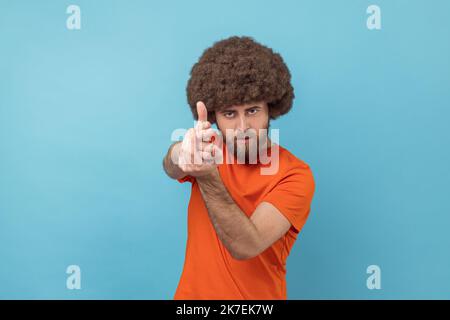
(295, 168)
(291, 162)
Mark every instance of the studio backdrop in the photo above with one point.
(91, 92)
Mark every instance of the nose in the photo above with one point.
(243, 124)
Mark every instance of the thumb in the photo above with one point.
(202, 112)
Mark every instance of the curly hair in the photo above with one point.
(239, 70)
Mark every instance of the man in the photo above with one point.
(242, 223)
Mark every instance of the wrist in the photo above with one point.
(210, 177)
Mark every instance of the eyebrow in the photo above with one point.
(231, 109)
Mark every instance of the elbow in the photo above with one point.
(243, 255)
(239, 256)
(246, 250)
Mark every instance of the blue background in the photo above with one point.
(86, 117)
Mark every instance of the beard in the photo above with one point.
(246, 147)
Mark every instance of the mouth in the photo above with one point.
(241, 140)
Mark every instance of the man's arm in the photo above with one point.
(172, 169)
(244, 237)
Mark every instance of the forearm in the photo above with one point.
(171, 168)
(236, 231)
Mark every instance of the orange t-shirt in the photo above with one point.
(209, 271)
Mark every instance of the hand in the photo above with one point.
(200, 151)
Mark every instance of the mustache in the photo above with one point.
(251, 134)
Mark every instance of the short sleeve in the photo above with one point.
(292, 196)
(187, 178)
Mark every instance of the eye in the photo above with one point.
(253, 111)
(228, 114)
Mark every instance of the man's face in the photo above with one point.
(242, 128)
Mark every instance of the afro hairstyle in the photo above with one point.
(239, 70)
